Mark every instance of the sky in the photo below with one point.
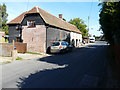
(70, 10)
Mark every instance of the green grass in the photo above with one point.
(5, 62)
(18, 58)
(33, 53)
(8, 61)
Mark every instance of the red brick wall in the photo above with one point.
(35, 38)
(6, 49)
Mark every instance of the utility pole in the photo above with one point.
(88, 28)
(88, 24)
(27, 5)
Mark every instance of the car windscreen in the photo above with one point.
(55, 44)
(91, 39)
(63, 43)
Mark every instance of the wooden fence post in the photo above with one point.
(13, 44)
(14, 52)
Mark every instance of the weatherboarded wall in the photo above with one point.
(55, 34)
(33, 17)
(13, 33)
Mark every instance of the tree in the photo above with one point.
(3, 19)
(79, 23)
(64, 19)
(110, 20)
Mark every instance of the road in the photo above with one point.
(83, 68)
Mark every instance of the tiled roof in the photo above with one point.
(18, 19)
(48, 18)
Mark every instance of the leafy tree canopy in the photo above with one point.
(64, 19)
(110, 20)
(79, 23)
(3, 18)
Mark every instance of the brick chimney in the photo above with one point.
(60, 16)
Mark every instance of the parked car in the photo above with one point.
(92, 39)
(60, 47)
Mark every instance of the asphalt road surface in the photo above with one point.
(83, 68)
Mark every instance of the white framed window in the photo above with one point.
(31, 23)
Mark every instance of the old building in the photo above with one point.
(3, 37)
(39, 28)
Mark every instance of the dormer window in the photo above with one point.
(30, 24)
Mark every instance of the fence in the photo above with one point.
(21, 47)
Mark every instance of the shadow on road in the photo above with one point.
(71, 69)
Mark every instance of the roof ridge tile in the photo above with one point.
(48, 18)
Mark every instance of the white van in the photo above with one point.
(92, 39)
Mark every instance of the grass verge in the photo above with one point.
(5, 62)
(18, 58)
(33, 53)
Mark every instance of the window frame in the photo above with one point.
(31, 23)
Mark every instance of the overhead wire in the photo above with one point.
(90, 14)
(27, 5)
(91, 8)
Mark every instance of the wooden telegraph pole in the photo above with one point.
(88, 24)
(88, 28)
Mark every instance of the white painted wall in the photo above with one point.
(76, 36)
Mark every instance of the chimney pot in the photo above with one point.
(60, 16)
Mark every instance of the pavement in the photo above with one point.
(27, 56)
(4, 60)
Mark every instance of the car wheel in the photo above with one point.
(62, 51)
(48, 50)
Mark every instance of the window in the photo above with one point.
(91, 39)
(31, 24)
(56, 44)
(67, 43)
(63, 43)
(17, 39)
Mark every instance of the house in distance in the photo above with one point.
(39, 28)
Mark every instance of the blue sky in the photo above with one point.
(69, 10)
